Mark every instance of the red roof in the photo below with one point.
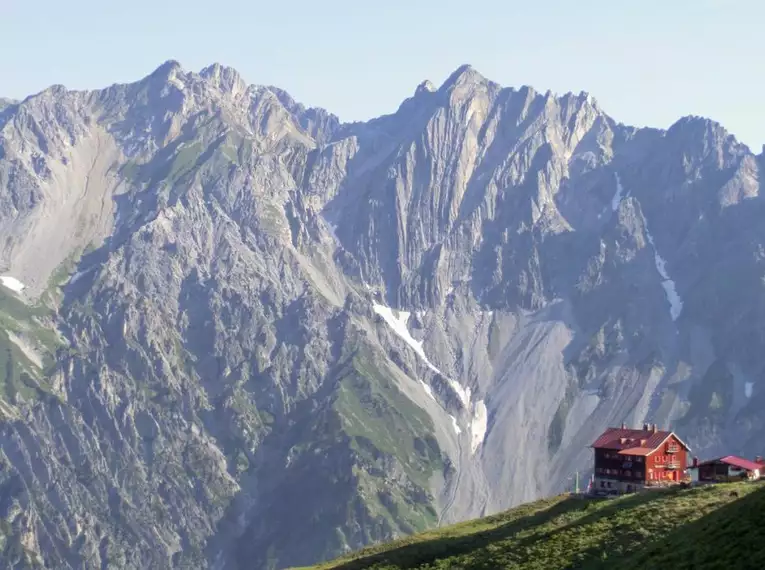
(735, 461)
(636, 451)
(633, 441)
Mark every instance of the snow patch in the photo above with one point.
(462, 393)
(617, 199)
(478, 425)
(12, 283)
(748, 388)
(675, 302)
(456, 425)
(398, 324)
(428, 390)
(670, 289)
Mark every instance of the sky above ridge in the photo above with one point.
(646, 63)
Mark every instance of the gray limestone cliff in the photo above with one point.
(237, 333)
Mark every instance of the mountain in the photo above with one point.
(694, 529)
(239, 333)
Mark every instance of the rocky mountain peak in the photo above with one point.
(705, 140)
(425, 87)
(691, 125)
(167, 70)
(463, 75)
(227, 79)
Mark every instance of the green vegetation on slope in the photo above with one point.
(388, 433)
(708, 527)
(27, 349)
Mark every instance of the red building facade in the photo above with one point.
(627, 460)
(668, 462)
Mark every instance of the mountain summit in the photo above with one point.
(238, 333)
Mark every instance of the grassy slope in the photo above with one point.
(19, 376)
(35, 323)
(695, 528)
(381, 421)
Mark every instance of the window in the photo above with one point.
(602, 484)
(639, 474)
(609, 484)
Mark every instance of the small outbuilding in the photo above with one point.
(726, 469)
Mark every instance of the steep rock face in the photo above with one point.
(252, 337)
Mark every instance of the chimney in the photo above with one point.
(759, 460)
(695, 462)
(653, 428)
(645, 427)
(624, 425)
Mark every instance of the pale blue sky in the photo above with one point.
(647, 62)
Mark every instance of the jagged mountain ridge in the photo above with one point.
(229, 387)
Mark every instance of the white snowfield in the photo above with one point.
(399, 327)
(478, 426)
(748, 389)
(479, 422)
(670, 289)
(428, 389)
(617, 199)
(463, 393)
(12, 283)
